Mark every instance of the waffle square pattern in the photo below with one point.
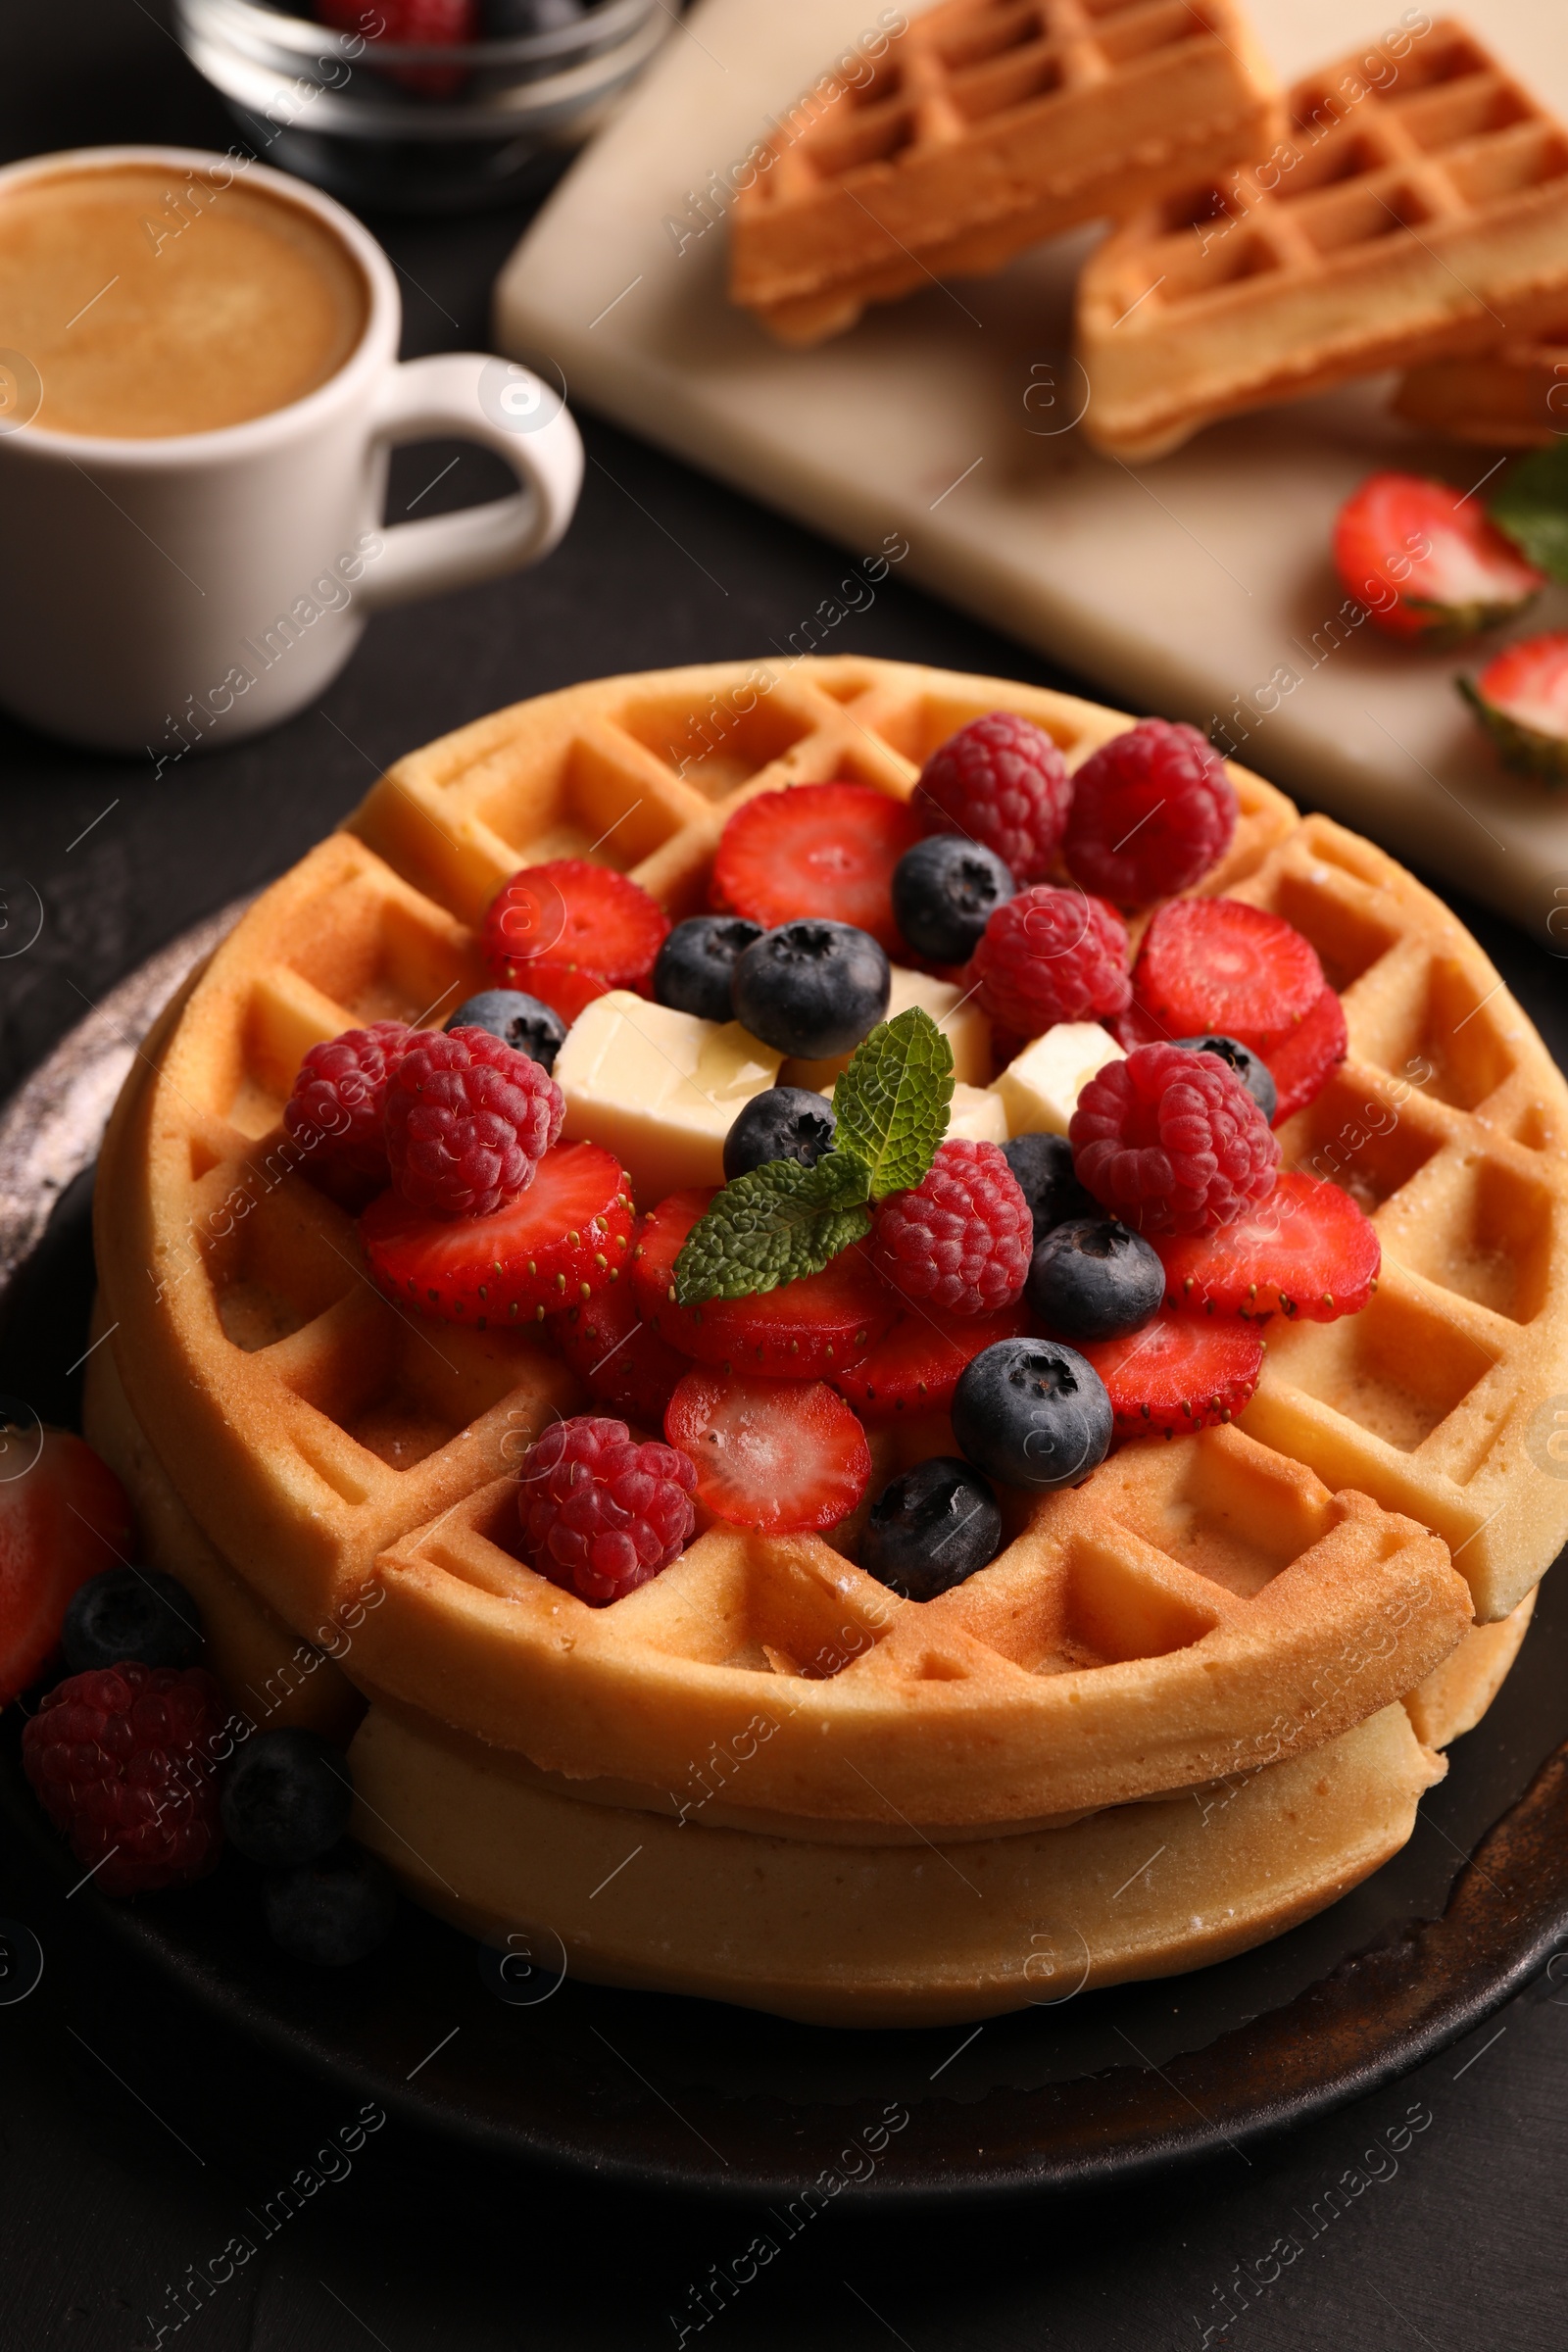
(986, 125)
(1416, 209)
(1199, 1607)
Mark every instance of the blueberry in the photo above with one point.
(931, 1528)
(1042, 1165)
(1254, 1074)
(332, 1911)
(812, 988)
(788, 1122)
(507, 19)
(944, 891)
(1032, 1414)
(286, 1798)
(130, 1613)
(697, 963)
(1093, 1278)
(519, 1021)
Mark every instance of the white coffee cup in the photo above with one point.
(171, 593)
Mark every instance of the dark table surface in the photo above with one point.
(120, 2168)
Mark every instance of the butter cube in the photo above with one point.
(979, 1113)
(967, 1030)
(1040, 1091)
(660, 1088)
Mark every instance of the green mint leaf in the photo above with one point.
(891, 1102)
(1531, 507)
(772, 1225)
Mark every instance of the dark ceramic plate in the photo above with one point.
(650, 2090)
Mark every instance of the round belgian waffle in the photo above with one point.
(1198, 1608)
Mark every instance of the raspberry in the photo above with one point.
(1051, 956)
(1152, 810)
(960, 1239)
(121, 1760)
(602, 1515)
(1004, 783)
(467, 1122)
(1171, 1141)
(335, 1112)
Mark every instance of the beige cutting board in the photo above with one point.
(1182, 586)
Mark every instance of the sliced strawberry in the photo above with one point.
(577, 916)
(819, 849)
(564, 1238)
(1306, 1251)
(63, 1517)
(1177, 1375)
(805, 1330)
(915, 1368)
(780, 1455)
(622, 1363)
(566, 988)
(1300, 1068)
(1427, 563)
(1522, 699)
(1217, 966)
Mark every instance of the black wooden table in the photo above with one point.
(121, 2171)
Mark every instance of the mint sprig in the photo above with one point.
(1531, 507)
(781, 1221)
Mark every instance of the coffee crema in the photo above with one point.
(154, 299)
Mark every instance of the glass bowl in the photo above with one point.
(409, 126)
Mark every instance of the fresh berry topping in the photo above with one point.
(524, 1023)
(130, 1613)
(332, 1912)
(930, 1528)
(1301, 1067)
(467, 1122)
(1217, 965)
(815, 850)
(1177, 1375)
(1249, 1067)
(960, 1240)
(812, 989)
(1522, 699)
(1152, 810)
(1093, 1278)
(567, 914)
(779, 1455)
(1306, 1251)
(335, 1112)
(431, 23)
(1171, 1141)
(1042, 1165)
(121, 1760)
(1425, 562)
(915, 1369)
(1032, 1414)
(560, 1239)
(784, 1122)
(696, 964)
(601, 1512)
(810, 1329)
(1002, 781)
(64, 1519)
(286, 1798)
(620, 1360)
(1051, 956)
(944, 891)
(566, 989)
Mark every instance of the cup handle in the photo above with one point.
(468, 395)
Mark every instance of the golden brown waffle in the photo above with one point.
(1515, 397)
(988, 125)
(319, 1437)
(1411, 221)
(915, 1933)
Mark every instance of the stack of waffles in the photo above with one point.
(1188, 1704)
(1405, 208)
